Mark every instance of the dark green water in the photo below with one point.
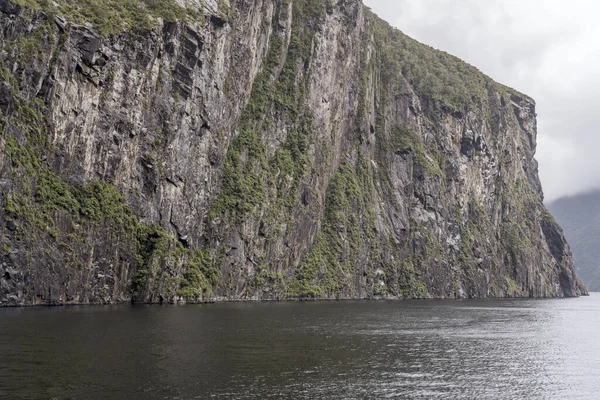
(509, 349)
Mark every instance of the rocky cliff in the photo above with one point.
(259, 149)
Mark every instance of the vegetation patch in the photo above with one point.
(111, 17)
(443, 82)
(201, 275)
(251, 176)
(405, 140)
(349, 221)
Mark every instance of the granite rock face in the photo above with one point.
(261, 150)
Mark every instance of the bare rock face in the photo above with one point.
(263, 149)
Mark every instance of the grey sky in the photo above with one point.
(548, 49)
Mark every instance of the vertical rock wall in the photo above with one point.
(261, 150)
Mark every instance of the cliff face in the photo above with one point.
(264, 149)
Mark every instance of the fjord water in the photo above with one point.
(467, 349)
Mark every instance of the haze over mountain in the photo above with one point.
(579, 216)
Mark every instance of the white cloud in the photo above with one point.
(548, 49)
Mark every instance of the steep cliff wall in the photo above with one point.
(265, 149)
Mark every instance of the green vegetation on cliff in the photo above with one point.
(329, 269)
(441, 80)
(111, 17)
(249, 171)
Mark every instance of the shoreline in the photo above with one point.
(292, 300)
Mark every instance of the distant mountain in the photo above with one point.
(189, 151)
(580, 218)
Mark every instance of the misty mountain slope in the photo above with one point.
(271, 149)
(580, 218)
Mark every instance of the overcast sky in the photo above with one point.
(548, 49)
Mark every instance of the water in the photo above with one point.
(475, 349)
